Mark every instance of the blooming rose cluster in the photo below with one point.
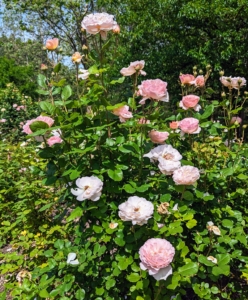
(134, 67)
(123, 113)
(233, 82)
(99, 23)
(188, 79)
(88, 188)
(137, 210)
(156, 255)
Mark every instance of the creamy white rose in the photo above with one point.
(137, 210)
(166, 152)
(88, 188)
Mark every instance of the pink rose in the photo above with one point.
(45, 119)
(238, 82)
(54, 140)
(156, 255)
(52, 44)
(186, 175)
(116, 29)
(21, 107)
(174, 125)
(200, 81)
(154, 89)
(134, 67)
(190, 125)
(3, 120)
(15, 105)
(144, 121)
(123, 113)
(158, 137)
(186, 79)
(190, 101)
(99, 23)
(236, 120)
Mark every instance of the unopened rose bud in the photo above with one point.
(245, 126)
(221, 73)
(52, 44)
(246, 93)
(52, 73)
(223, 94)
(116, 29)
(85, 47)
(43, 67)
(113, 225)
(208, 67)
(200, 71)
(44, 48)
(195, 73)
(3, 109)
(195, 68)
(82, 29)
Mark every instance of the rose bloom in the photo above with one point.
(99, 23)
(186, 175)
(113, 225)
(158, 137)
(166, 152)
(199, 81)
(212, 259)
(3, 120)
(167, 167)
(54, 140)
(134, 67)
(190, 101)
(154, 89)
(88, 188)
(52, 44)
(186, 79)
(116, 29)
(174, 125)
(15, 105)
(236, 120)
(144, 121)
(123, 113)
(83, 74)
(238, 82)
(136, 209)
(156, 255)
(190, 125)
(76, 58)
(45, 119)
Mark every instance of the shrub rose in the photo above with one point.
(45, 119)
(167, 167)
(186, 79)
(123, 113)
(156, 255)
(136, 209)
(186, 175)
(158, 137)
(88, 188)
(99, 23)
(166, 152)
(54, 140)
(233, 82)
(136, 66)
(154, 89)
(52, 44)
(199, 81)
(76, 58)
(190, 125)
(190, 101)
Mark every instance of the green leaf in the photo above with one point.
(99, 291)
(37, 125)
(129, 189)
(66, 92)
(133, 277)
(47, 107)
(57, 68)
(80, 294)
(77, 212)
(188, 196)
(116, 174)
(93, 70)
(223, 259)
(120, 80)
(227, 223)
(97, 229)
(41, 80)
(192, 223)
(208, 112)
(43, 294)
(42, 92)
(110, 283)
(189, 269)
(219, 270)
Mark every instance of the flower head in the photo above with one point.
(236, 120)
(212, 228)
(76, 58)
(212, 259)
(156, 255)
(136, 209)
(3, 120)
(190, 125)
(233, 82)
(174, 125)
(52, 44)
(26, 127)
(186, 79)
(158, 137)
(116, 29)
(186, 175)
(54, 140)
(136, 66)
(190, 101)
(166, 152)
(167, 166)
(123, 113)
(71, 259)
(88, 188)
(154, 89)
(199, 81)
(83, 74)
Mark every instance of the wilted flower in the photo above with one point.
(190, 101)
(83, 74)
(190, 125)
(158, 137)
(186, 79)
(113, 225)
(21, 275)
(26, 127)
(54, 140)
(136, 209)
(22, 170)
(154, 89)
(71, 259)
(76, 58)
(88, 188)
(134, 67)
(123, 113)
(212, 259)
(156, 255)
(186, 175)
(166, 152)
(98, 23)
(212, 228)
(163, 208)
(233, 82)
(52, 44)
